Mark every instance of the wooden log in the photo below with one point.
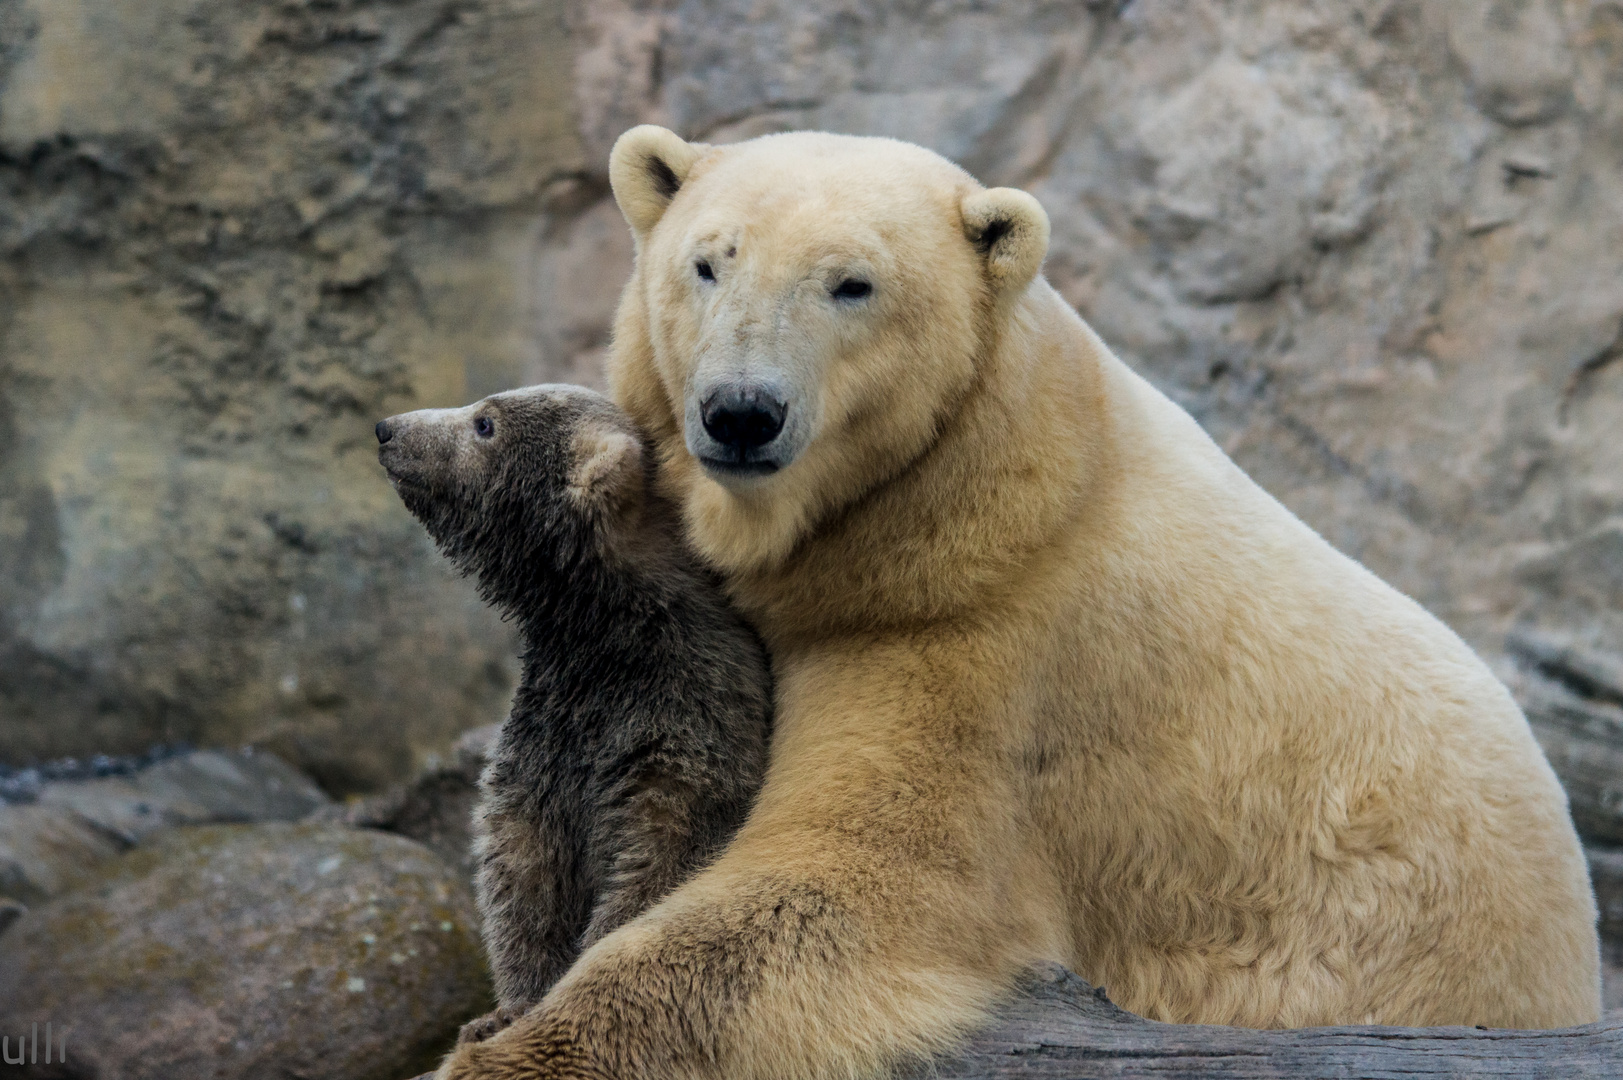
(1060, 1028)
(1057, 1027)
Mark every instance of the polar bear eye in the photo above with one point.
(852, 289)
(484, 427)
(704, 270)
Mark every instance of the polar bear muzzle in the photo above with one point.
(738, 429)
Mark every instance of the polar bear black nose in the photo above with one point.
(742, 417)
(383, 432)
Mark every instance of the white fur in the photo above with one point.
(1055, 678)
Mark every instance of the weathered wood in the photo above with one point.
(1058, 1027)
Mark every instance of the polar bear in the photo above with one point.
(1055, 679)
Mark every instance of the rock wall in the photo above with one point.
(232, 236)
(1375, 246)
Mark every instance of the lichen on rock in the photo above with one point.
(252, 951)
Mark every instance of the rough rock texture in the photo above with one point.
(1376, 246)
(255, 951)
(232, 235)
(435, 808)
(75, 825)
(1606, 871)
(1574, 700)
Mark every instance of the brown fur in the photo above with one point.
(638, 733)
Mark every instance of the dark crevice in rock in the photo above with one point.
(1587, 370)
(1587, 674)
(1380, 486)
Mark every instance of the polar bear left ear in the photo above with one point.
(607, 467)
(646, 169)
(1010, 230)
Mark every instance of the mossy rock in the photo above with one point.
(252, 951)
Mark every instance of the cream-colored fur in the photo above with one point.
(1055, 679)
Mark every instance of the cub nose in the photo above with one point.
(742, 417)
(382, 431)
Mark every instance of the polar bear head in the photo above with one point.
(807, 309)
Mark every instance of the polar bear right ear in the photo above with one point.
(646, 169)
(1010, 230)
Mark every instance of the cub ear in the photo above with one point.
(1010, 230)
(607, 468)
(646, 169)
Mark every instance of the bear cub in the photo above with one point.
(638, 734)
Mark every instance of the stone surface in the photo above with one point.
(1606, 871)
(435, 808)
(262, 951)
(1376, 247)
(1574, 700)
(47, 845)
(233, 235)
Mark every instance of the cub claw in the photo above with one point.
(483, 1027)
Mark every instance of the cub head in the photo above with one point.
(519, 486)
(806, 312)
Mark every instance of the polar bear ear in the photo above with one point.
(1010, 230)
(607, 468)
(646, 169)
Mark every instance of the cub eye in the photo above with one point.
(484, 427)
(852, 289)
(704, 270)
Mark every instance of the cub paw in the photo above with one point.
(527, 1048)
(483, 1027)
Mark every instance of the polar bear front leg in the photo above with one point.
(778, 979)
(877, 902)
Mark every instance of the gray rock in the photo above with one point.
(76, 824)
(10, 911)
(1606, 871)
(234, 236)
(43, 850)
(435, 808)
(1584, 742)
(1573, 698)
(1373, 246)
(261, 951)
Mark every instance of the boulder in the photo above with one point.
(1606, 872)
(435, 808)
(253, 952)
(1573, 697)
(73, 825)
(234, 236)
